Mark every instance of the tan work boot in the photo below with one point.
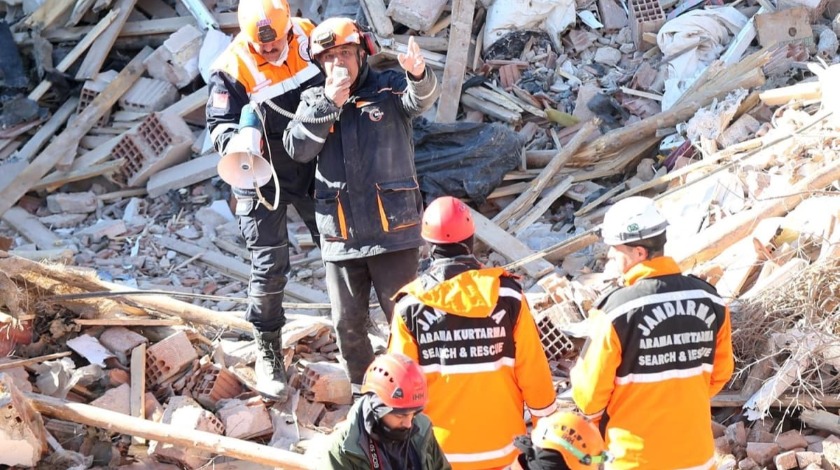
(269, 368)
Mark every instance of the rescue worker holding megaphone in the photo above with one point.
(255, 87)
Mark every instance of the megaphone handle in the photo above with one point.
(260, 198)
(251, 110)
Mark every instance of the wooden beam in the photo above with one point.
(187, 438)
(68, 139)
(32, 272)
(526, 200)
(183, 175)
(800, 91)
(47, 13)
(377, 17)
(460, 33)
(75, 53)
(56, 255)
(33, 360)
(32, 229)
(135, 29)
(137, 404)
(489, 108)
(739, 44)
(59, 178)
(48, 130)
(189, 103)
(536, 211)
(98, 154)
(560, 250)
(129, 322)
(508, 246)
(822, 420)
(102, 45)
(613, 151)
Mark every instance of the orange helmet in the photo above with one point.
(264, 21)
(334, 32)
(447, 220)
(574, 437)
(397, 380)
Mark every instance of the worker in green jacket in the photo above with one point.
(385, 428)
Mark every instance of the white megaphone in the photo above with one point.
(242, 165)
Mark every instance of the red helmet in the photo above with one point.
(264, 21)
(447, 220)
(397, 380)
(574, 437)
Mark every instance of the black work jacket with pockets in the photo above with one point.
(367, 200)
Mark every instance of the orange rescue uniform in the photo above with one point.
(659, 351)
(472, 332)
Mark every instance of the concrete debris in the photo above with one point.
(735, 138)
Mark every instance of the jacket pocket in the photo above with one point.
(245, 205)
(399, 204)
(329, 215)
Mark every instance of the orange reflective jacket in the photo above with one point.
(475, 338)
(659, 350)
(240, 75)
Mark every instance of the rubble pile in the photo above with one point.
(123, 275)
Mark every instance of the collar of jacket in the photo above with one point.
(359, 85)
(472, 293)
(352, 443)
(659, 266)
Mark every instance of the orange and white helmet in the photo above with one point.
(574, 437)
(334, 32)
(264, 21)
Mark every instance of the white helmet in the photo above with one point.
(632, 219)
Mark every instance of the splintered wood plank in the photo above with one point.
(128, 322)
(137, 404)
(102, 46)
(507, 245)
(33, 360)
(32, 229)
(460, 33)
(75, 53)
(34, 144)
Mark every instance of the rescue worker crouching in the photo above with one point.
(266, 64)
(471, 330)
(562, 441)
(658, 352)
(368, 202)
(386, 428)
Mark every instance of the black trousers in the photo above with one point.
(349, 283)
(267, 239)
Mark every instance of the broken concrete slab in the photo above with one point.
(185, 413)
(245, 420)
(121, 341)
(116, 399)
(72, 203)
(176, 61)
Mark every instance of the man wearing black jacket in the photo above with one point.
(368, 205)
